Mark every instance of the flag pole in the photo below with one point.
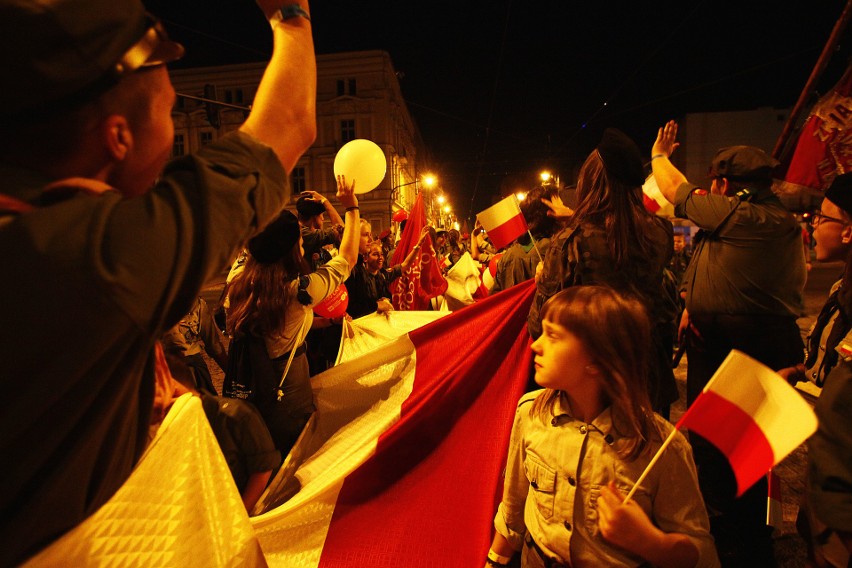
(651, 464)
(533, 240)
(821, 64)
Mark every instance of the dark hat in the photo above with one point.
(62, 52)
(276, 240)
(743, 163)
(840, 192)
(307, 207)
(621, 158)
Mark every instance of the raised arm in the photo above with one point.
(352, 226)
(284, 111)
(668, 177)
(414, 250)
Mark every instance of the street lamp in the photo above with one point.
(428, 180)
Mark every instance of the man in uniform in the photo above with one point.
(109, 249)
(744, 290)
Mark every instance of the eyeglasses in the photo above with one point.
(818, 218)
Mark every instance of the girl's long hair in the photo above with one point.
(259, 296)
(616, 334)
(613, 206)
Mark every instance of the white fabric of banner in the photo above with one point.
(356, 402)
(179, 507)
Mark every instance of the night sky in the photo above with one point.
(503, 89)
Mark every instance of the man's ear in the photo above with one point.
(846, 235)
(116, 137)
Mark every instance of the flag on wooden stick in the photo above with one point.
(503, 222)
(750, 414)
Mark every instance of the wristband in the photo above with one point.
(655, 156)
(289, 12)
(498, 559)
(354, 208)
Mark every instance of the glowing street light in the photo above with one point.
(545, 176)
(441, 199)
(520, 196)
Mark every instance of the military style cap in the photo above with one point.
(743, 163)
(840, 192)
(57, 53)
(621, 157)
(276, 240)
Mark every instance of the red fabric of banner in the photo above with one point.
(429, 494)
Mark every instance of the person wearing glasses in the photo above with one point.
(744, 290)
(823, 519)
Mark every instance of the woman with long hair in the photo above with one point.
(270, 314)
(611, 239)
(579, 445)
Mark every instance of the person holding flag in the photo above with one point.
(519, 261)
(579, 445)
(611, 239)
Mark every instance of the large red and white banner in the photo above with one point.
(401, 465)
(751, 415)
(503, 222)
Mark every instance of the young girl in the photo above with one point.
(579, 445)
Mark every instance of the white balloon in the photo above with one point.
(363, 162)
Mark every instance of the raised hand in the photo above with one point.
(665, 143)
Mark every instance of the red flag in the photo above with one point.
(503, 222)
(824, 147)
(423, 280)
(751, 415)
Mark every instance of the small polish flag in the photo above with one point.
(654, 200)
(751, 415)
(503, 222)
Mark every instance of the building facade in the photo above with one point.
(358, 96)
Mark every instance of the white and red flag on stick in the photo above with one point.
(503, 222)
(750, 414)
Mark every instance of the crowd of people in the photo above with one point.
(114, 243)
